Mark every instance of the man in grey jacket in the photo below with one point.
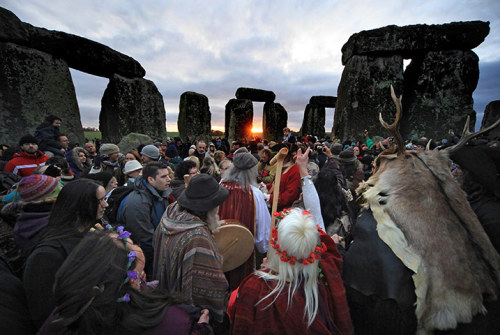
(142, 209)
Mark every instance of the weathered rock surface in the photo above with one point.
(255, 94)
(314, 121)
(410, 40)
(274, 119)
(323, 101)
(239, 119)
(194, 121)
(11, 28)
(34, 84)
(132, 141)
(437, 94)
(131, 105)
(491, 115)
(80, 53)
(364, 92)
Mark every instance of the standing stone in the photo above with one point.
(239, 120)
(364, 92)
(491, 115)
(255, 94)
(437, 95)
(274, 119)
(314, 121)
(33, 85)
(194, 121)
(132, 142)
(323, 101)
(131, 105)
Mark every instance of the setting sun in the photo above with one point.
(256, 130)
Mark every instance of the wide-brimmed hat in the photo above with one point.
(203, 194)
(347, 156)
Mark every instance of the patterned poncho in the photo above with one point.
(187, 261)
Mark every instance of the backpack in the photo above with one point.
(114, 201)
(7, 179)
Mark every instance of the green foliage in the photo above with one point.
(90, 135)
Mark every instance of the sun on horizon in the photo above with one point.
(256, 130)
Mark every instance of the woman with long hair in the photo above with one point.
(79, 206)
(101, 289)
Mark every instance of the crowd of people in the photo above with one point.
(99, 241)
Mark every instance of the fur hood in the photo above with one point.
(74, 162)
(423, 215)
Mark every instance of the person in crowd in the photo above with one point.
(28, 159)
(78, 207)
(201, 150)
(246, 204)
(99, 290)
(132, 155)
(64, 142)
(150, 153)
(38, 194)
(79, 161)
(289, 190)
(132, 170)
(187, 261)
(288, 136)
(143, 208)
(289, 295)
(223, 166)
(219, 156)
(368, 140)
(211, 150)
(47, 135)
(266, 170)
(58, 167)
(184, 168)
(106, 179)
(91, 150)
(209, 167)
(108, 160)
(172, 155)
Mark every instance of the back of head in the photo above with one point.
(74, 211)
(294, 256)
(183, 168)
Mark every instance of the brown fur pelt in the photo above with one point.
(427, 221)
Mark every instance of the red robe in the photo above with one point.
(239, 205)
(333, 312)
(289, 188)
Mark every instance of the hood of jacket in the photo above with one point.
(140, 185)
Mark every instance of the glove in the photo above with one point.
(98, 160)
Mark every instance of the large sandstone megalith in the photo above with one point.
(491, 115)
(314, 121)
(194, 121)
(274, 119)
(238, 120)
(34, 84)
(131, 105)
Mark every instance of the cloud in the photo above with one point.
(213, 47)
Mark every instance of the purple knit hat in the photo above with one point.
(36, 187)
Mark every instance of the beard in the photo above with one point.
(213, 220)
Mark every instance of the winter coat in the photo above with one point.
(141, 213)
(47, 136)
(23, 163)
(78, 168)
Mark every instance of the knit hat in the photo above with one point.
(240, 150)
(109, 149)
(28, 139)
(347, 156)
(38, 187)
(336, 148)
(244, 161)
(132, 166)
(171, 151)
(151, 151)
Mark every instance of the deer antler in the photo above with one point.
(393, 127)
(467, 136)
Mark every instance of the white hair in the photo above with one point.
(299, 236)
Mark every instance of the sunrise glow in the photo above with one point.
(256, 130)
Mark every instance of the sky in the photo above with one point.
(213, 47)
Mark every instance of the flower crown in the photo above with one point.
(284, 256)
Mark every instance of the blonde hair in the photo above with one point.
(299, 236)
(196, 160)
